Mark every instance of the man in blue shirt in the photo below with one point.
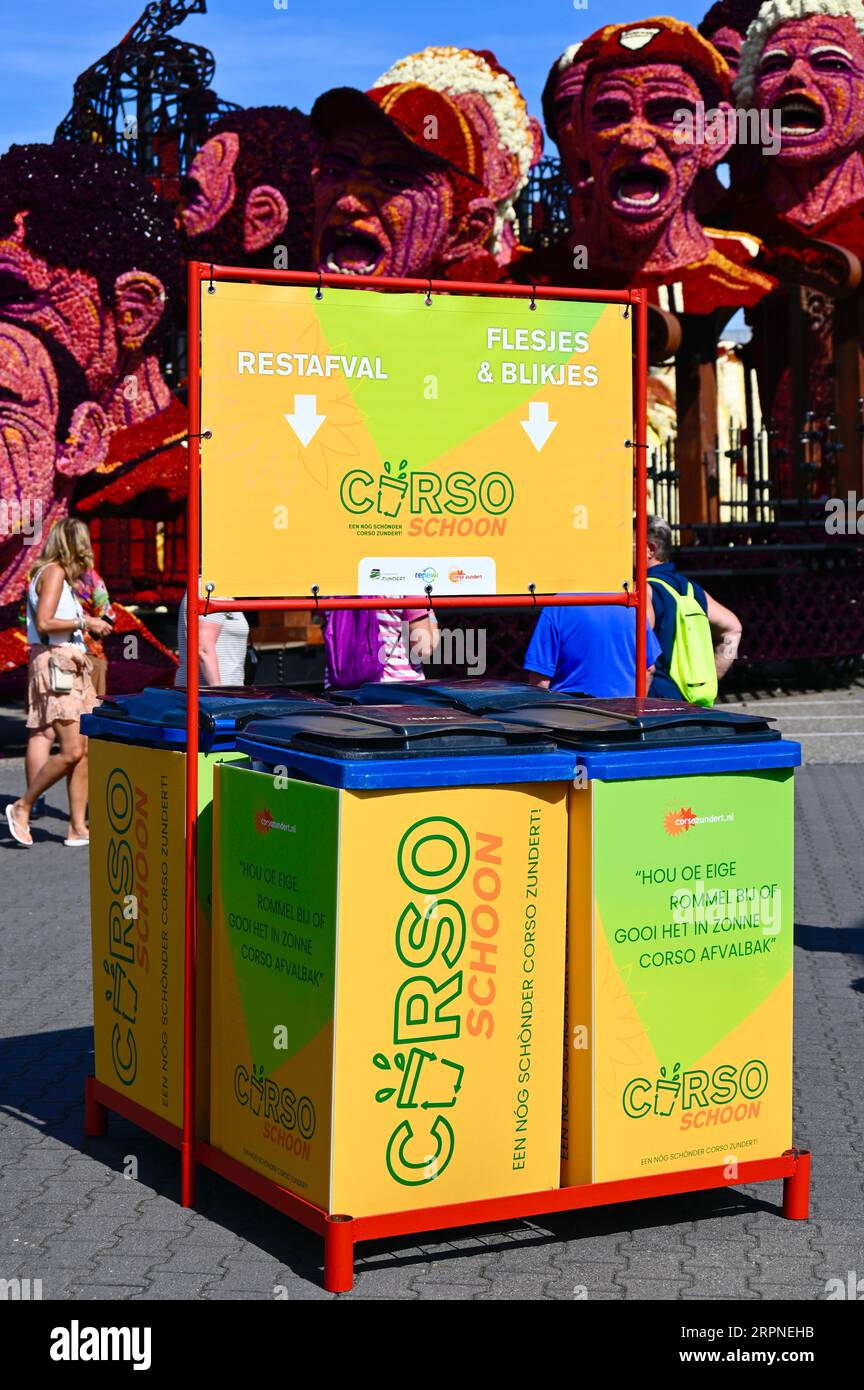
(725, 627)
(587, 650)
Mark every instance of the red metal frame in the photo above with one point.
(341, 1232)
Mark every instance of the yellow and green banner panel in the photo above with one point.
(679, 1009)
(369, 443)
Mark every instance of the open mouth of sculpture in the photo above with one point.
(349, 251)
(638, 189)
(800, 116)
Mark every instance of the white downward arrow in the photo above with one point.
(538, 426)
(305, 422)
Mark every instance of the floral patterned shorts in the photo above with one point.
(43, 705)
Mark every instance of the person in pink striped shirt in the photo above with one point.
(409, 636)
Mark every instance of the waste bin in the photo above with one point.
(137, 757)
(680, 920)
(388, 957)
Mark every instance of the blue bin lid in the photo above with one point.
(475, 696)
(694, 759)
(158, 716)
(404, 746)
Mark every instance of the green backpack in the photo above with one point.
(691, 664)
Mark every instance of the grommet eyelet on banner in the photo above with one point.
(629, 444)
(532, 589)
(428, 300)
(428, 593)
(319, 293)
(209, 586)
(626, 313)
(208, 434)
(533, 304)
(211, 288)
(316, 589)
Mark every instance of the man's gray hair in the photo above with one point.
(660, 532)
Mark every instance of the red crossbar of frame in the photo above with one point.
(199, 273)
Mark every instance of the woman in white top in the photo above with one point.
(222, 642)
(60, 689)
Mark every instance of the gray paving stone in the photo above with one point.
(386, 1283)
(797, 1291)
(653, 1290)
(459, 1269)
(516, 1287)
(87, 1293)
(431, 1292)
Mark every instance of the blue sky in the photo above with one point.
(286, 56)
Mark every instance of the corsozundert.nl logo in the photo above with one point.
(676, 822)
(77, 1343)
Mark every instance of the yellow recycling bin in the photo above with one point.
(137, 756)
(388, 947)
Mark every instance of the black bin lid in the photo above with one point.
(396, 731)
(475, 696)
(607, 724)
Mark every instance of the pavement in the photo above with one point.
(100, 1218)
(829, 724)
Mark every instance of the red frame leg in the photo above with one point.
(187, 1175)
(95, 1114)
(339, 1254)
(796, 1189)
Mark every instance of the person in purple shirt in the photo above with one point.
(587, 650)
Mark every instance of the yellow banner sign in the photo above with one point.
(365, 442)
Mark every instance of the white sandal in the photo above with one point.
(15, 830)
(74, 841)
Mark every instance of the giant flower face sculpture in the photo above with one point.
(47, 427)
(86, 253)
(378, 212)
(249, 188)
(805, 59)
(812, 72)
(390, 198)
(510, 140)
(647, 149)
(68, 305)
(635, 147)
(725, 25)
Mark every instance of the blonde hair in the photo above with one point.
(67, 544)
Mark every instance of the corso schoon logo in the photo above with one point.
(727, 1093)
(431, 933)
(279, 1105)
(127, 868)
(396, 491)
